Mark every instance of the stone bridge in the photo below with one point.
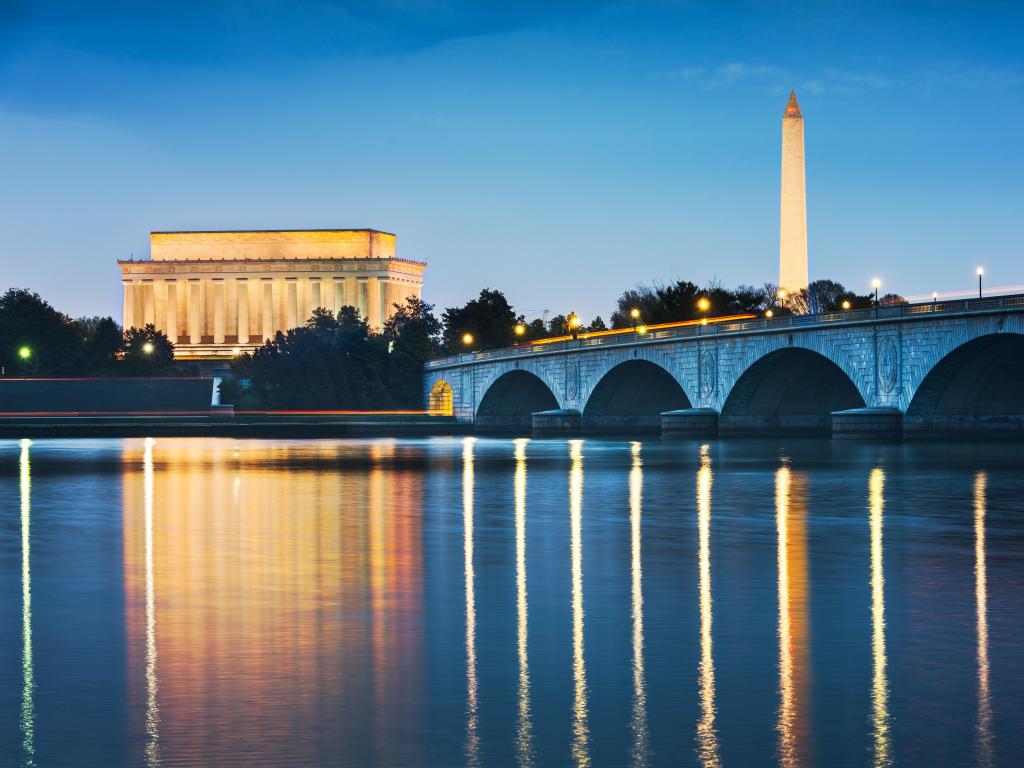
(918, 369)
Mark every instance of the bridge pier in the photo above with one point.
(558, 421)
(690, 422)
(868, 423)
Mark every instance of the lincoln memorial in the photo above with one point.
(216, 294)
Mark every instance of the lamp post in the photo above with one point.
(846, 304)
(703, 305)
(574, 324)
(467, 339)
(635, 314)
(520, 329)
(980, 273)
(935, 299)
(876, 284)
(147, 348)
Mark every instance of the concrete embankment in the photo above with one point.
(240, 424)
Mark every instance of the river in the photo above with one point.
(500, 602)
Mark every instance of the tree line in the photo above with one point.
(336, 361)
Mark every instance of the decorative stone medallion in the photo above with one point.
(707, 373)
(887, 364)
(572, 381)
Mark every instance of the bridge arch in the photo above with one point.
(631, 396)
(511, 399)
(793, 388)
(441, 399)
(978, 386)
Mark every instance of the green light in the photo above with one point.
(24, 353)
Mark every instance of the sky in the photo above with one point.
(560, 151)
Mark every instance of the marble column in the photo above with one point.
(195, 312)
(128, 313)
(361, 298)
(313, 298)
(219, 310)
(148, 303)
(242, 289)
(267, 308)
(291, 287)
(373, 309)
(339, 293)
(171, 310)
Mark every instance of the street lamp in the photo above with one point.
(641, 329)
(980, 273)
(635, 314)
(769, 314)
(574, 324)
(24, 352)
(520, 329)
(935, 298)
(703, 305)
(467, 339)
(148, 348)
(846, 304)
(876, 284)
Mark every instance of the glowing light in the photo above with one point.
(641, 746)
(793, 634)
(148, 347)
(658, 327)
(846, 304)
(641, 329)
(935, 295)
(524, 729)
(580, 729)
(236, 352)
(707, 736)
(876, 283)
(703, 304)
(520, 329)
(984, 726)
(980, 271)
(703, 321)
(574, 320)
(152, 750)
(769, 313)
(782, 294)
(879, 682)
(467, 339)
(472, 735)
(634, 313)
(24, 353)
(27, 719)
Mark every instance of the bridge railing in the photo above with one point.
(740, 326)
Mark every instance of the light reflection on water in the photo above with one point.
(304, 604)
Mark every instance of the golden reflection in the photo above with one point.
(472, 736)
(641, 746)
(152, 707)
(790, 521)
(580, 729)
(880, 683)
(270, 587)
(28, 678)
(524, 730)
(707, 736)
(981, 599)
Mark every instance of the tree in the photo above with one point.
(488, 318)
(53, 343)
(412, 337)
(597, 324)
(146, 352)
(103, 340)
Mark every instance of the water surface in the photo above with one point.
(484, 602)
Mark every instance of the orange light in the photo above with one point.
(520, 329)
(467, 339)
(634, 313)
(657, 327)
(641, 329)
(846, 305)
(703, 305)
(769, 313)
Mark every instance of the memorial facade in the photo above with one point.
(216, 294)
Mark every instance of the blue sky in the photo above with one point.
(559, 151)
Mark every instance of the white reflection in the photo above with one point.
(641, 747)
(880, 683)
(472, 736)
(28, 678)
(787, 746)
(981, 599)
(152, 707)
(707, 736)
(524, 731)
(580, 729)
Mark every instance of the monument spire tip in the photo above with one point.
(792, 108)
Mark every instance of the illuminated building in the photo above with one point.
(216, 293)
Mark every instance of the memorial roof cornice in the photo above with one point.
(283, 260)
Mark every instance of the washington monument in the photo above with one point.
(793, 213)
